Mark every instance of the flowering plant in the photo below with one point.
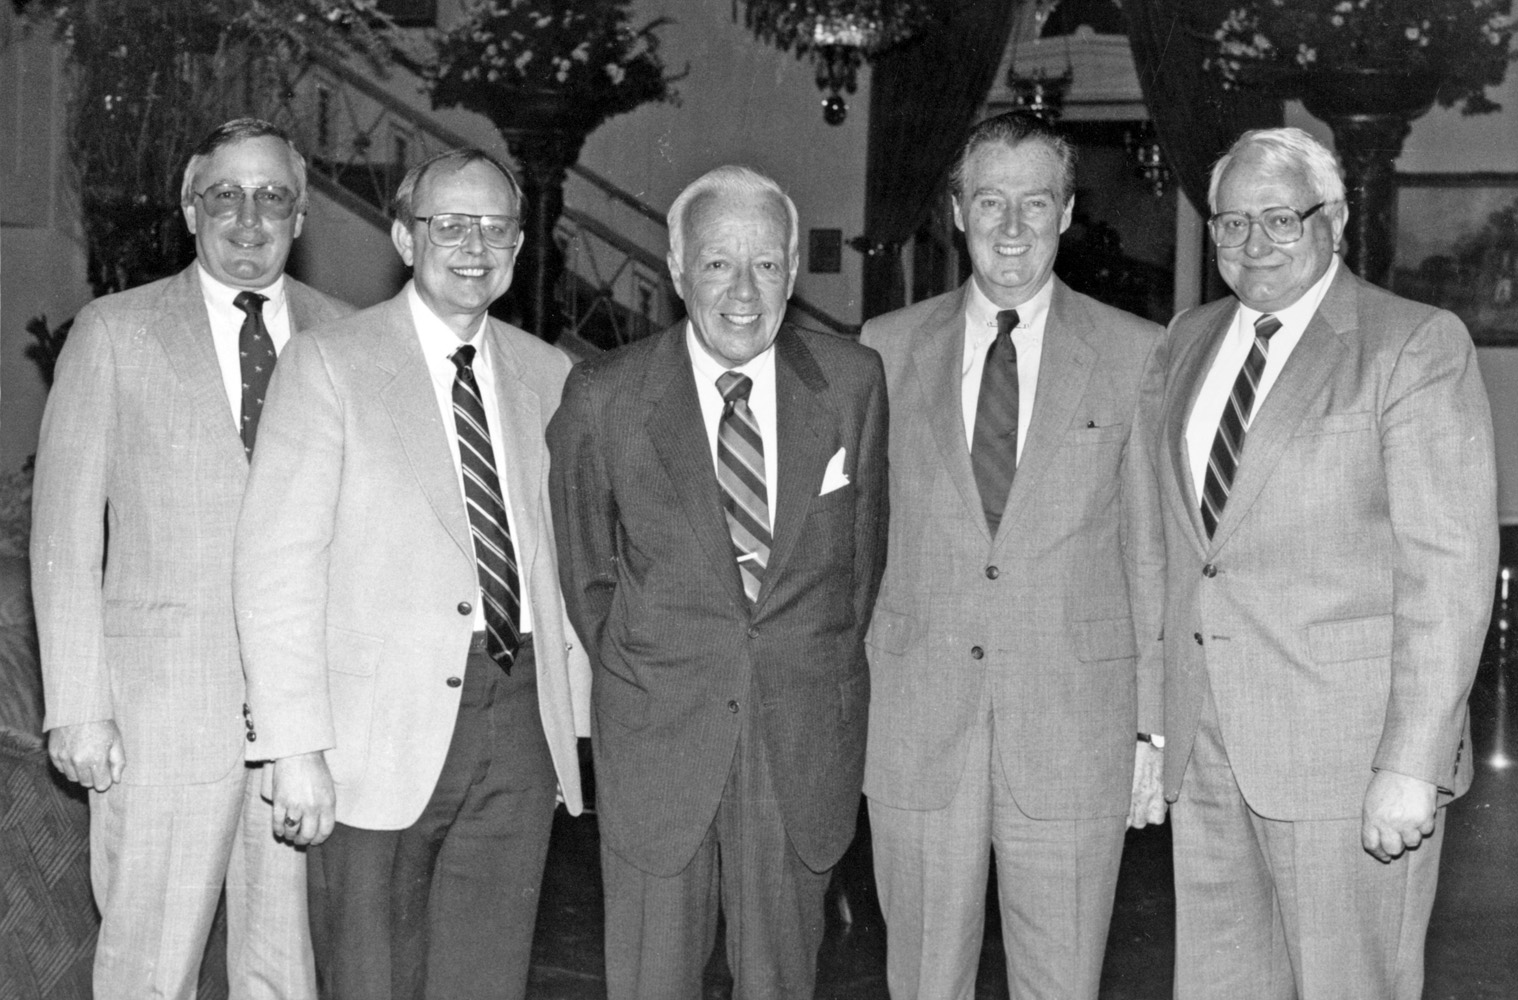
(584, 50)
(1465, 44)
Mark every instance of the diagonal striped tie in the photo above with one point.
(740, 472)
(1228, 445)
(993, 449)
(495, 558)
(255, 352)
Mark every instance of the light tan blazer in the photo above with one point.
(355, 564)
(1056, 619)
(1340, 608)
(138, 437)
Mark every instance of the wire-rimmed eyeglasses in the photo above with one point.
(1281, 225)
(450, 229)
(270, 201)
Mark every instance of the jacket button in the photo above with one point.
(465, 608)
(252, 737)
(732, 706)
(992, 572)
(1209, 571)
(753, 633)
(454, 682)
(1198, 637)
(976, 652)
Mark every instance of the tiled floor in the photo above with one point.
(1472, 949)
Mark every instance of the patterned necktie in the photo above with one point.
(740, 472)
(255, 351)
(993, 452)
(1228, 445)
(495, 558)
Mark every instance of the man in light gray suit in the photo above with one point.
(140, 471)
(1329, 507)
(1014, 651)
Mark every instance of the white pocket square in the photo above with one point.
(833, 477)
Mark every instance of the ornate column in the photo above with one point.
(1370, 112)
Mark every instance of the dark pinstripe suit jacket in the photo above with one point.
(652, 587)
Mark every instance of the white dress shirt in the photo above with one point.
(439, 342)
(1028, 338)
(226, 329)
(761, 401)
(1207, 413)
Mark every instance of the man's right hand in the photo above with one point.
(88, 752)
(305, 803)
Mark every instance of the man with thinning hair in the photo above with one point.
(141, 468)
(719, 494)
(410, 670)
(1328, 489)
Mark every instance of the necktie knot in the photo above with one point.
(1006, 322)
(463, 359)
(250, 303)
(1266, 326)
(734, 387)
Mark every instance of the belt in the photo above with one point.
(477, 643)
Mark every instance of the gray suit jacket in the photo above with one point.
(138, 434)
(1056, 619)
(355, 562)
(1340, 609)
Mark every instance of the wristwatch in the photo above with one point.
(1153, 739)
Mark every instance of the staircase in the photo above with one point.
(360, 139)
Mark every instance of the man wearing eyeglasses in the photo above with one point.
(141, 467)
(1328, 490)
(411, 671)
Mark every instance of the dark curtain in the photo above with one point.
(923, 99)
(1196, 118)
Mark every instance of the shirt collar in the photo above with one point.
(981, 311)
(707, 368)
(438, 339)
(224, 295)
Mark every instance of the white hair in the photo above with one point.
(1285, 149)
(729, 179)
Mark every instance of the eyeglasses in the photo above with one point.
(452, 229)
(222, 201)
(1280, 225)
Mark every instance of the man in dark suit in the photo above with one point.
(1014, 652)
(1328, 489)
(148, 431)
(410, 672)
(719, 496)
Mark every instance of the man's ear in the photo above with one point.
(400, 235)
(676, 270)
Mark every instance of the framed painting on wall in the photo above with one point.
(1457, 247)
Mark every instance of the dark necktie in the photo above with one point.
(255, 349)
(1228, 445)
(495, 558)
(993, 451)
(740, 472)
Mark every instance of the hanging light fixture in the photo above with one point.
(1148, 158)
(1040, 93)
(839, 35)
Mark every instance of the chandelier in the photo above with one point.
(1039, 93)
(1147, 157)
(839, 35)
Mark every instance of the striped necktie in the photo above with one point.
(255, 351)
(993, 451)
(1228, 445)
(740, 472)
(495, 558)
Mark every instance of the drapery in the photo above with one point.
(923, 99)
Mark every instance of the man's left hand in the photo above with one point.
(1148, 802)
(1398, 814)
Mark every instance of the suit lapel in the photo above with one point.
(805, 429)
(520, 409)
(937, 363)
(678, 433)
(1191, 372)
(1063, 371)
(185, 332)
(298, 301)
(1303, 376)
(405, 390)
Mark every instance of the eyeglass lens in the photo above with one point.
(498, 231)
(225, 200)
(1280, 225)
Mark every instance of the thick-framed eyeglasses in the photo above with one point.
(452, 228)
(1280, 225)
(273, 201)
